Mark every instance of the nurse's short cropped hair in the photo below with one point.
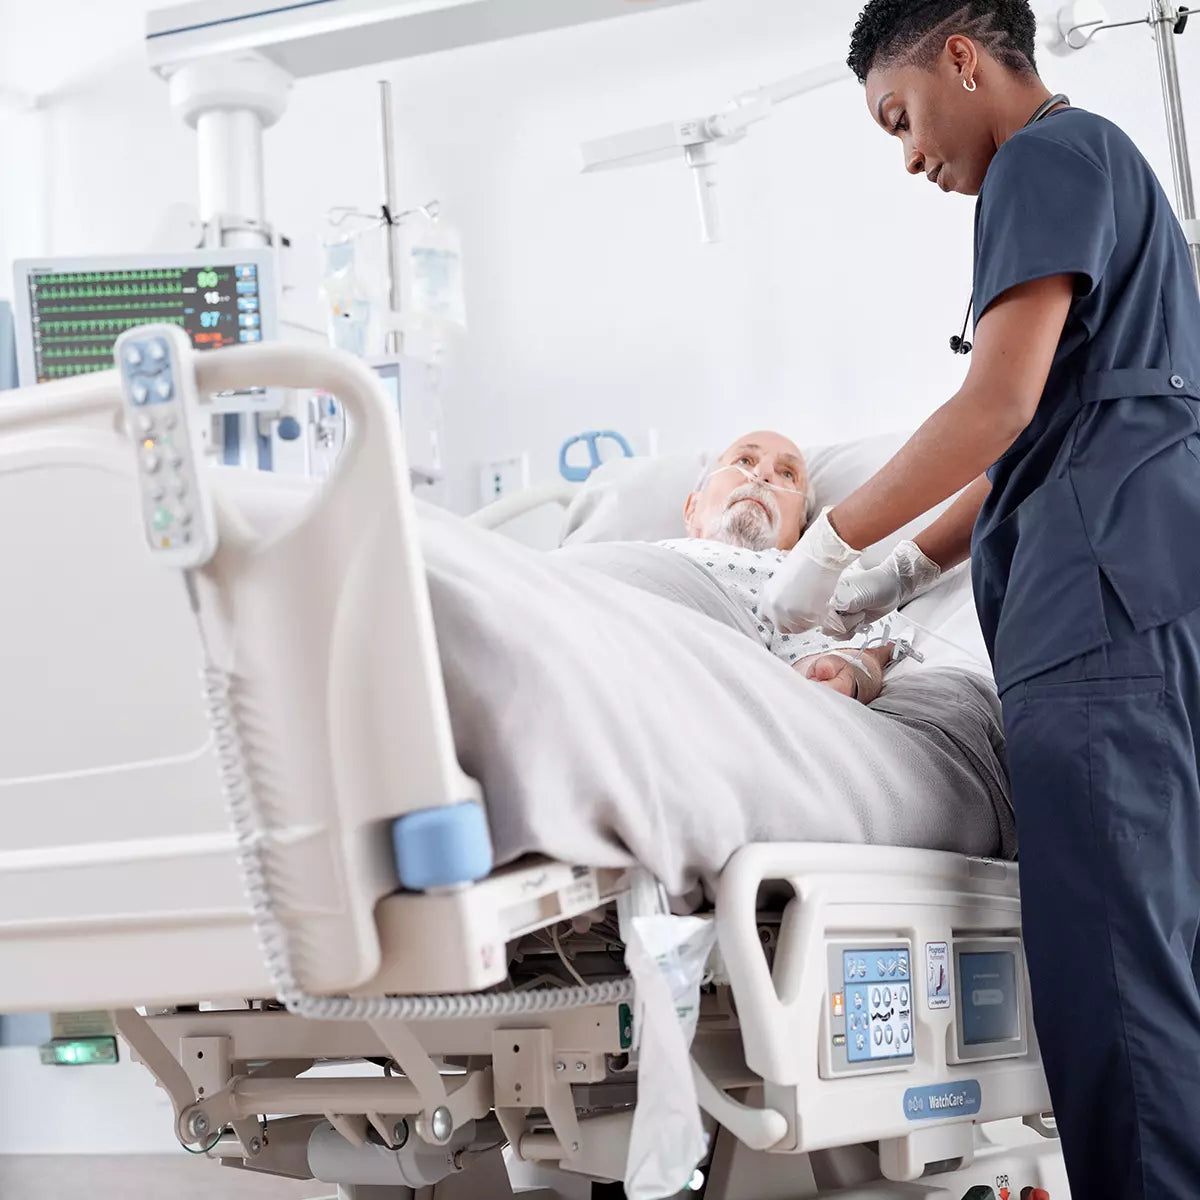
(891, 31)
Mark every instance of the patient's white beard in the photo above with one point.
(746, 525)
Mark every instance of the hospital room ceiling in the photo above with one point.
(91, 40)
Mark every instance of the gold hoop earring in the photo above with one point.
(970, 84)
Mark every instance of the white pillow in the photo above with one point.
(641, 499)
(633, 500)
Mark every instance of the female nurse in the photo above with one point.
(1075, 444)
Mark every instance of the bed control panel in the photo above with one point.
(154, 362)
(895, 1008)
(870, 1014)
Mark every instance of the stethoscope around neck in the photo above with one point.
(959, 343)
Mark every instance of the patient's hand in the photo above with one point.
(834, 671)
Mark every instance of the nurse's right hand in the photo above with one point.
(863, 597)
(797, 595)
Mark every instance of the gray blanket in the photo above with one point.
(618, 708)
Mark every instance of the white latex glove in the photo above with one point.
(797, 597)
(865, 596)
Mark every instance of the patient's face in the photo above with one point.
(756, 496)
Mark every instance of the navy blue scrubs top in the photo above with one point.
(1105, 481)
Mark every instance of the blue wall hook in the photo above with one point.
(591, 439)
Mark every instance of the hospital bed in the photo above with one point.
(235, 820)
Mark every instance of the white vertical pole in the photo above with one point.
(392, 344)
(230, 102)
(1163, 16)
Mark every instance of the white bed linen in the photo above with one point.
(610, 726)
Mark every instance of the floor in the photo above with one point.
(177, 1177)
(145, 1177)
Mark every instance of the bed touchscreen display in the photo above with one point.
(990, 1001)
(878, 1000)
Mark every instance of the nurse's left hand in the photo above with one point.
(863, 597)
(798, 594)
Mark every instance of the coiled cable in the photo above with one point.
(251, 836)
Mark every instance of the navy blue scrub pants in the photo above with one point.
(1103, 753)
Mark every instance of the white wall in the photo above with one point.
(591, 300)
(81, 1110)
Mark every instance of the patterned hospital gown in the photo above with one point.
(743, 573)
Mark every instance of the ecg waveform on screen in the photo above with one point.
(77, 316)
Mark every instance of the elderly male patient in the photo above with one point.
(747, 512)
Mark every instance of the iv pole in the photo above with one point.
(1166, 21)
